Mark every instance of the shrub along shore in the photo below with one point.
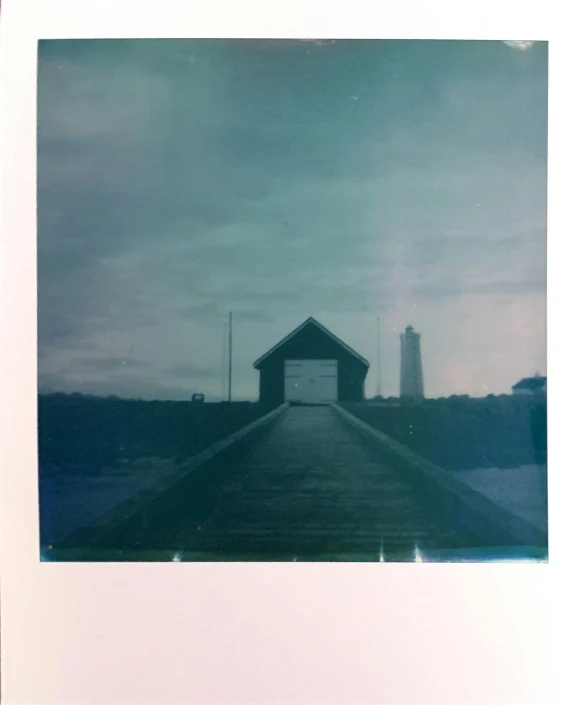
(463, 433)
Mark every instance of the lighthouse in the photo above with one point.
(411, 365)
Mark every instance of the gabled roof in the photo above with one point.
(531, 383)
(307, 322)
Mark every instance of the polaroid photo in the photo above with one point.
(283, 300)
(292, 299)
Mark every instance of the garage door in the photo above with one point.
(311, 381)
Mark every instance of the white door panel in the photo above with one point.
(311, 381)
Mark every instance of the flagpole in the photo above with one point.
(379, 380)
(230, 347)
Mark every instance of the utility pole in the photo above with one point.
(230, 362)
(378, 356)
(224, 353)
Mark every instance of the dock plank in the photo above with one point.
(310, 486)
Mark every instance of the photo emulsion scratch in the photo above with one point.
(292, 300)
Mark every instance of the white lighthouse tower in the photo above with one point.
(411, 365)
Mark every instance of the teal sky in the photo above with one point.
(181, 179)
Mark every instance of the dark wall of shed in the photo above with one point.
(312, 344)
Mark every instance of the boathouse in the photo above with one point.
(311, 366)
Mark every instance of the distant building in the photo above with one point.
(531, 385)
(411, 365)
(311, 366)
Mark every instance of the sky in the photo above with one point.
(347, 180)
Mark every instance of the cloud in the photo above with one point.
(107, 364)
(181, 180)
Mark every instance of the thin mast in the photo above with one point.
(230, 361)
(379, 382)
(224, 344)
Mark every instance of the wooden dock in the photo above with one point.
(309, 487)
